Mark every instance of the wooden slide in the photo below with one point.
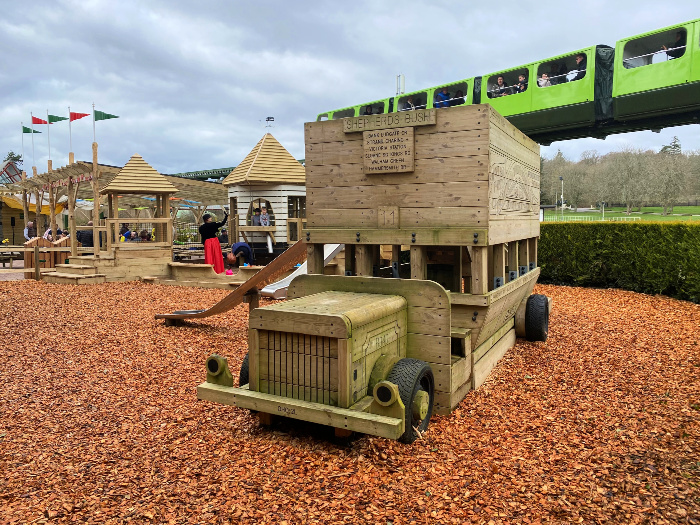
(281, 264)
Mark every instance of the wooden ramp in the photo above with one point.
(286, 260)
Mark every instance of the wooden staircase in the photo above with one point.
(74, 274)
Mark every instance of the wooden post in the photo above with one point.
(480, 270)
(499, 266)
(513, 271)
(364, 259)
(37, 271)
(523, 256)
(233, 221)
(532, 241)
(72, 190)
(396, 260)
(419, 262)
(96, 199)
(314, 259)
(466, 269)
(457, 270)
(53, 194)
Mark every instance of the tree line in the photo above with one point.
(631, 177)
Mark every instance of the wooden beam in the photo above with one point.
(513, 260)
(419, 262)
(533, 250)
(480, 271)
(499, 266)
(349, 259)
(523, 256)
(314, 259)
(364, 259)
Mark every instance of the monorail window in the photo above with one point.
(413, 101)
(652, 49)
(562, 70)
(450, 95)
(372, 109)
(322, 116)
(509, 83)
(344, 113)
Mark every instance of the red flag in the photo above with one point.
(76, 116)
(37, 120)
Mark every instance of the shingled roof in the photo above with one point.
(138, 177)
(268, 162)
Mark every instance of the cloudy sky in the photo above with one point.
(192, 82)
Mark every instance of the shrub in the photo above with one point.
(648, 257)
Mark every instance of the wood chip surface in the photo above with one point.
(99, 422)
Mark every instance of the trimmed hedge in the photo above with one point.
(649, 257)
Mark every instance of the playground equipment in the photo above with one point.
(458, 188)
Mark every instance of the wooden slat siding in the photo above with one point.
(458, 119)
(277, 194)
(501, 310)
(435, 145)
(484, 347)
(447, 169)
(422, 195)
(445, 403)
(510, 230)
(430, 348)
(482, 369)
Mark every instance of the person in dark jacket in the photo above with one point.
(212, 246)
(85, 237)
(241, 249)
(580, 69)
(676, 49)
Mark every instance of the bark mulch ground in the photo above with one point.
(99, 422)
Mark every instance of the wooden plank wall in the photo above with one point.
(473, 169)
(277, 196)
(448, 187)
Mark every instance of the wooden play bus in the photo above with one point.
(453, 195)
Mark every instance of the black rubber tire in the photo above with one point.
(412, 375)
(244, 376)
(537, 318)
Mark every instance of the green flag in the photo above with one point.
(101, 115)
(25, 129)
(54, 118)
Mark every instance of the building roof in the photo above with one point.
(138, 177)
(268, 162)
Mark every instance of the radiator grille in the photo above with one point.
(299, 366)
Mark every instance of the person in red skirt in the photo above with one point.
(212, 247)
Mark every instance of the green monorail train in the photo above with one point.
(649, 81)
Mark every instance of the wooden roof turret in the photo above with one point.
(138, 177)
(268, 162)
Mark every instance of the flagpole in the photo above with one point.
(33, 157)
(70, 134)
(93, 123)
(22, 125)
(48, 131)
